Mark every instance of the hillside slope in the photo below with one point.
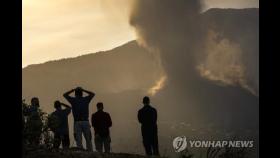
(129, 67)
(187, 104)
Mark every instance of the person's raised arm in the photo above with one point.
(67, 94)
(68, 108)
(90, 94)
(65, 105)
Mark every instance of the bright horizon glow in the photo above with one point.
(56, 29)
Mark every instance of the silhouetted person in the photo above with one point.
(147, 116)
(80, 110)
(34, 123)
(61, 129)
(101, 122)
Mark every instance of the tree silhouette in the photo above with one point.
(36, 128)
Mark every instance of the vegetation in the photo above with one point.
(36, 132)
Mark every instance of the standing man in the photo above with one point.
(147, 116)
(60, 125)
(101, 122)
(34, 124)
(80, 110)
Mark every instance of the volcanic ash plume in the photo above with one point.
(223, 63)
(189, 48)
(172, 29)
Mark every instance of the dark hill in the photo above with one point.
(197, 108)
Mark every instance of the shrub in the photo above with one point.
(35, 124)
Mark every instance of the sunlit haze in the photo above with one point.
(55, 29)
(197, 61)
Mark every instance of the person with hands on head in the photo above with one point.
(80, 110)
(60, 125)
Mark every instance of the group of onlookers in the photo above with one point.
(100, 121)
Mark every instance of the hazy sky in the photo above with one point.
(55, 29)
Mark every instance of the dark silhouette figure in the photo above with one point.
(33, 123)
(61, 129)
(147, 116)
(80, 110)
(101, 122)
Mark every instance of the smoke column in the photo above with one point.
(189, 46)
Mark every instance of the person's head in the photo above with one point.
(35, 102)
(78, 92)
(57, 105)
(99, 106)
(146, 100)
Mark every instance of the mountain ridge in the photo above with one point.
(123, 75)
(80, 56)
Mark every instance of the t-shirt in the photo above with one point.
(101, 121)
(147, 116)
(80, 107)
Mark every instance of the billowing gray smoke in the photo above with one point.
(210, 59)
(171, 28)
(191, 43)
